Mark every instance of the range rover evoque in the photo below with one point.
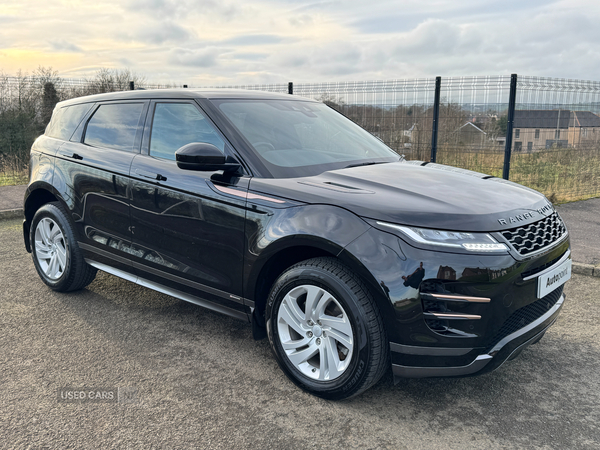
(279, 211)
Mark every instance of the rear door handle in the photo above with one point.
(72, 155)
(152, 176)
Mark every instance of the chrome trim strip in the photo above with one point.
(457, 298)
(552, 267)
(252, 196)
(451, 316)
(116, 272)
(529, 327)
(172, 292)
(190, 283)
(433, 351)
(245, 194)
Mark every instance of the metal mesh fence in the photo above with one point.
(470, 123)
(556, 137)
(399, 112)
(279, 88)
(556, 129)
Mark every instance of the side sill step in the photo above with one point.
(169, 291)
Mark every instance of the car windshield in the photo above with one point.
(301, 138)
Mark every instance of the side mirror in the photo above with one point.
(204, 157)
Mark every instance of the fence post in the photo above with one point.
(436, 117)
(131, 86)
(291, 88)
(509, 125)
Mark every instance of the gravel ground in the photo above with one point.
(200, 381)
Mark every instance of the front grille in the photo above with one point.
(536, 236)
(525, 315)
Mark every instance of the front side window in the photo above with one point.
(556, 134)
(114, 126)
(178, 124)
(517, 133)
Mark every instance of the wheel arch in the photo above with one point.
(301, 249)
(283, 254)
(38, 194)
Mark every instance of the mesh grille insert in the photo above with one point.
(536, 236)
(527, 314)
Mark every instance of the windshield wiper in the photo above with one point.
(366, 164)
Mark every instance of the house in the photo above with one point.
(468, 134)
(584, 128)
(446, 273)
(537, 129)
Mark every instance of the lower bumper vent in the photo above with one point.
(527, 314)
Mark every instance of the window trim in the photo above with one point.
(229, 150)
(139, 129)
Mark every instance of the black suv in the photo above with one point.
(280, 211)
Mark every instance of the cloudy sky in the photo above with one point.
(202, 42)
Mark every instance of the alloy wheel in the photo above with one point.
(315, 332)
(50, 248)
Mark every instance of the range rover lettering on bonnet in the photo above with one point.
(528, 215)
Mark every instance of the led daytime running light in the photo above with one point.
(479, 242)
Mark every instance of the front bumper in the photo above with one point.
(508, 348)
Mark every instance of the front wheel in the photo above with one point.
(325, 329)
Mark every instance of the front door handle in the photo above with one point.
(152, 176)
(72, 155)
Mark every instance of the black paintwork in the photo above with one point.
(225, 237)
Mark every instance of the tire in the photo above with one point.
(337, 350)
(56, 255)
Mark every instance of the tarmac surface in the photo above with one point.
(196, 379)
(583, 222)
(11, 197)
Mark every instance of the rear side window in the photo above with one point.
(178, 124)
(65, 120)
(114, 126)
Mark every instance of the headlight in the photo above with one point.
(475, 242)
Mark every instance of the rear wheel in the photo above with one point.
(325, 329)
(56, 255)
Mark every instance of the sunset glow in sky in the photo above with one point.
(206, 42)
